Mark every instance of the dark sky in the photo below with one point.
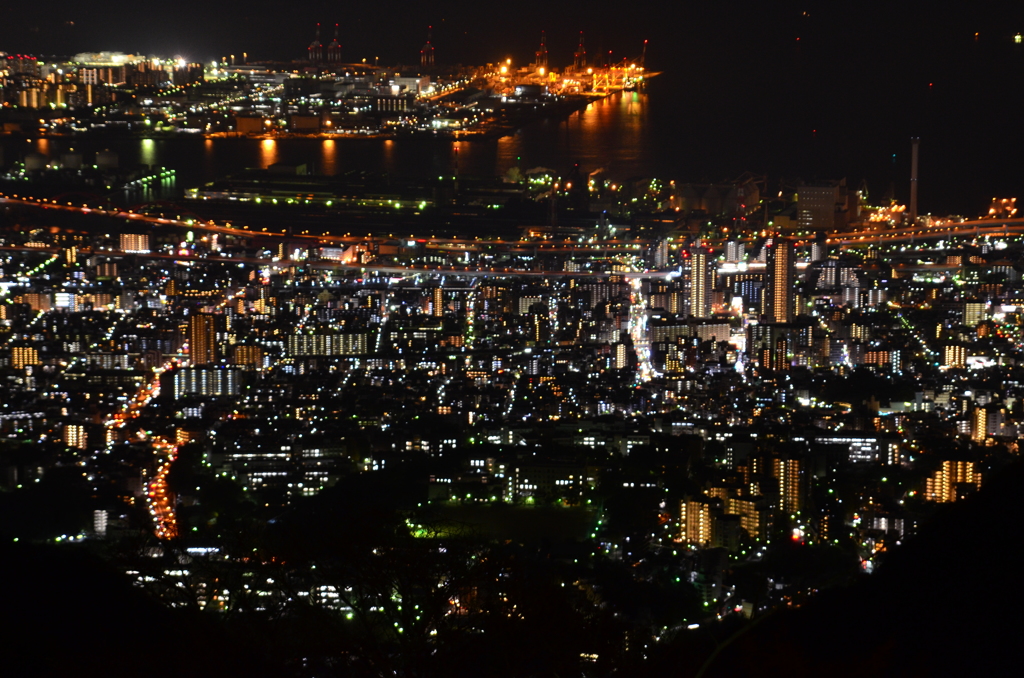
(904, 34)
(860, 81)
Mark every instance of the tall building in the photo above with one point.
(943, 485)
(326, 344)
(206, 381)
(437, 302)
(780, 277)
(788, 473)
(23, 356)
(202, 339)
(248, 354)
(39, 301)
(954, 356)
(754, 515)
(699, 281)
(821, 206)
(979, 424)
(819, 249)
(975, 312)
(734, 251)
(695, 522)
(135, 242)
(621, 356)
(75, 436)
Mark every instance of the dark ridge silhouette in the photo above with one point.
(68, 613)
(945, 603)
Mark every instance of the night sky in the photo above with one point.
(877, 44)
(840, 101)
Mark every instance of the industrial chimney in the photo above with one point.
(915, 144)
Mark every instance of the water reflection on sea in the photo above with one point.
(611, 133)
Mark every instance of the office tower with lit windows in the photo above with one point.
(780, 277)
(202, 339)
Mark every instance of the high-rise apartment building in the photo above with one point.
(942, 486)
(695, 522)
(735, 251)
(699, 282)
(351, 343)
(979, 424)
(788, 473)
(437, 302)
(248, 354)
(202, 339)
(23, 356)
(135, 242)
(954, 356)
(75, 436)
(753, 513)
(778, 293)
(206, 381)
(974, 312)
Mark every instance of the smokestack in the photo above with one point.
(915, 144)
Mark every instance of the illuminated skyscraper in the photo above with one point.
(778, 293)
(202, 339)
(437, 302)
(699, 280)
